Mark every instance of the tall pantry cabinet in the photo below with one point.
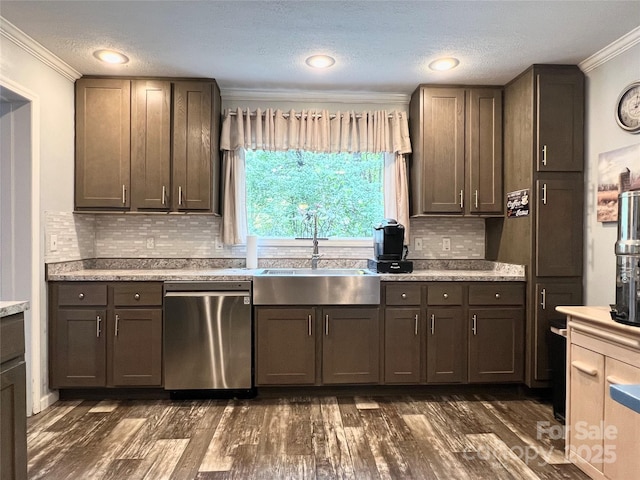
(544, 156)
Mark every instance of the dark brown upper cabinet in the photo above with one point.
(456, 166)
(103, 154)
(147, 145)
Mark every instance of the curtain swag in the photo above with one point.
(316, 131)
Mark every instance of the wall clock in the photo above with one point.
(628, 108)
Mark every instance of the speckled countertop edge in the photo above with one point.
(11, 308)
(499, 272)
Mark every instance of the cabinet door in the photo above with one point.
(80, 349)
(548, 297)
(560, 128)
(443, 162)
(103, 161)
(136, 353)
(586, 385)
(13, 422)
(559, 219)
(484, 150)
(622, 425)
(402, 334)
(350, 345)
(285, 346)
(496, 345)
(446, 345)
(150, 144)
(192, 161)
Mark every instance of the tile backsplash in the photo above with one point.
(84, 236)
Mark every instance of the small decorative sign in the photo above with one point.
(518, 203)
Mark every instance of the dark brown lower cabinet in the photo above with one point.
(13, 408)
(285, 346)
(350, 345)
(446, 345)
(314, 345)
(549, 295)
(95, 343)
(402, 345)
(496, 345)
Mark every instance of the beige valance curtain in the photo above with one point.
(315, 131)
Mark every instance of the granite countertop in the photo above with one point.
(498, 272)
(11, 308)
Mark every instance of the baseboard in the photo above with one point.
(48, 400)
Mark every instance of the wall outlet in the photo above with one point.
(417, 244)
(53, 243)
(446, 244)
(151, 242)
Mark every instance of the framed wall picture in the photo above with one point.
(618, 171)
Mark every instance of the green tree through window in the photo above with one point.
(285, 190)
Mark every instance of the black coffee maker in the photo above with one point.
(389, 249)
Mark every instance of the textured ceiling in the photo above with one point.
(379, 46)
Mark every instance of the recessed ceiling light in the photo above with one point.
(442, 64)
(320, 61)
(111, 56)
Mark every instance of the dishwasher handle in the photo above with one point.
(208, 294)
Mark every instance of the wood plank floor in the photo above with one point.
(465, 436)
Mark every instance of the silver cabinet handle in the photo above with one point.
(117, 324)
(310, 332)
(543, 298)
(164, 195)
(461, 199)
(415, 328)
(326, 325)
(474, 328)
(404, 295)
(445, 295)
(544, 193)
(124, 195)
(81, 296)
(476, 198)
(544, 155)
(498, 296)
(584, 368)
(98, 330)
(179, 195)
(137, 296)
(433, 324)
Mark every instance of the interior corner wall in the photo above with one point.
(603, 86)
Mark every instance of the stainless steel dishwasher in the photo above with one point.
(207, 336)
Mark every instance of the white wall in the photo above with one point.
(32, 72)
(603, 85)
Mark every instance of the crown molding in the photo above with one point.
(242, 94)
(29, 45)
(610, 51)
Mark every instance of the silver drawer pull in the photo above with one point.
(433, 324)
(117, 324)
(124, 195)
(98, 322)
(164, 195)
(474, 328)
(137, 296)
(445, 295)
(461, 199)
(310, 332)
(326, 325)
(404, 295)
(81, 296)
(497, 295)
(544, 155)
(415, 331)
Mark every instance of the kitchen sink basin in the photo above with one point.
(321, 286)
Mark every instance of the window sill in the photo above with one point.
(307, 242)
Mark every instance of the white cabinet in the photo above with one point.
(602, 435)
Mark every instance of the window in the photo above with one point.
(286, 189)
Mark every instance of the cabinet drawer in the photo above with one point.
(82, 294)
(132, 294)
(496, 294)
(444, 294)
(403, 294)
(11, 337)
